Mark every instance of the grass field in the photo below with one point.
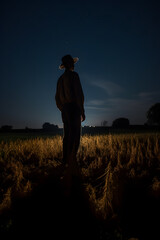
(120, 174)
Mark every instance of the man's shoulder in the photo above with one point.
(65, 74)
(75, 74)
(61, 77)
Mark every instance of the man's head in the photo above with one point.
(68, 62)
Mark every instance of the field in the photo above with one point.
(119, 175)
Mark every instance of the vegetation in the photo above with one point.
(23, 163)
(113, 161)
(108, 164)
(48, 126)
(153, 115)
(120, 123)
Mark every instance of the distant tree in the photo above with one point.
(120, 123)
(104, 123)
(153, 115)
(48, 126)
(6, 128)
(27, 129)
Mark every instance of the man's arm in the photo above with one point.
(79, 95)
(57, 96)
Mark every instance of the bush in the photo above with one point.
(120, 123)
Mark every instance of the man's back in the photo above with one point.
(69, 90)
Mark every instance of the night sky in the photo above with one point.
(118, 45)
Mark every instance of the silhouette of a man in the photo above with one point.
(70, 101)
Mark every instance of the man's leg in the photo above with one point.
(76, 134)
(65, 142)
(66, 133)
(74, 144)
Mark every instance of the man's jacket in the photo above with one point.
(69, 90)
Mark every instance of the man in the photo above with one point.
(70, 101)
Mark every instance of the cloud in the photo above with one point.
(96, 102)
(153, 94)
(97, 108)
(114, 107)
(112, 89)
(133, 108)
(118, 102)
(109, 87)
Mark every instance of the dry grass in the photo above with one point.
(24, 163)
(107, 163)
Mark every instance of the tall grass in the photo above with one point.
(107, 163)
(24, 163)
(110, 162)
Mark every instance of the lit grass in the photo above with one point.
(107, 162)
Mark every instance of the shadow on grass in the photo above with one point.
(49, 212)
(140, 211)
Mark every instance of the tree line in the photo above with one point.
(153, 119)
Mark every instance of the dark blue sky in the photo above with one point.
(118, 45)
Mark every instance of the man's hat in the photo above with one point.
(68, 60)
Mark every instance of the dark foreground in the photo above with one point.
(50, 213)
